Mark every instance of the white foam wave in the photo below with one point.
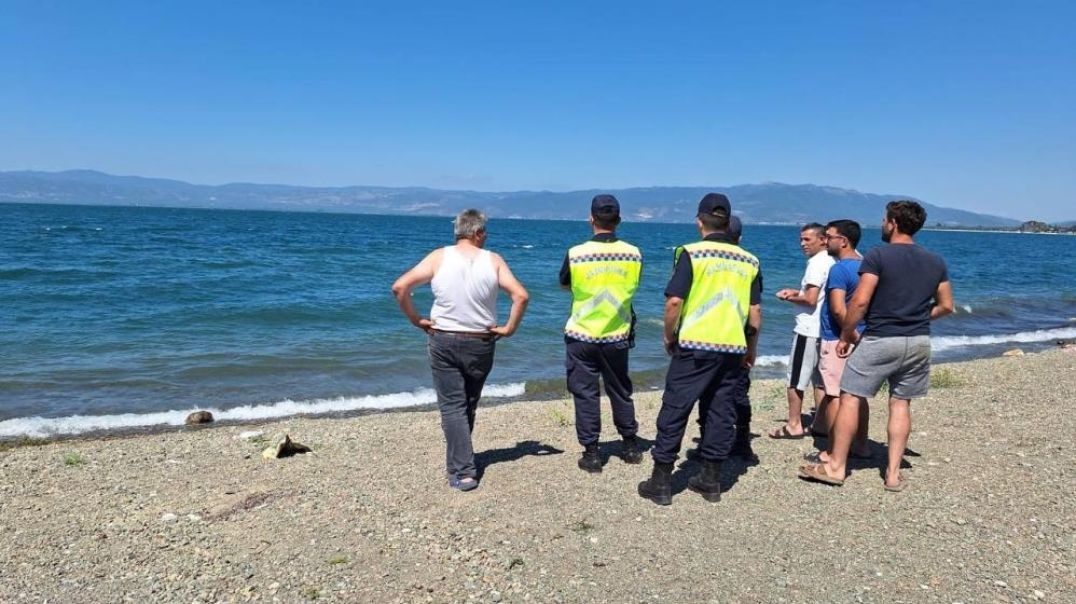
(503, 390)
(939, 343)
(40, 427)
(1042, 335)
(771, 360)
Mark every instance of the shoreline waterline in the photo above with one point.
(17, 432)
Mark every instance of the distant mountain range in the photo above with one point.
(772, 203)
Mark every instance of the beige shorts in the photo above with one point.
(830, 367)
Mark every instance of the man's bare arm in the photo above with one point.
(943, 301)
(420, 274)
(515, 290)
(754, 322)
(857, 309)
(673, 306)
(837, 307)
(808, 297)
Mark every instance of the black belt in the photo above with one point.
(485, 336)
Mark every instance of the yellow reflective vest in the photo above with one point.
(604, 277)
(716, 308)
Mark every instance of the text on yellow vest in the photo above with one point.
(716, 308)
(604, 277)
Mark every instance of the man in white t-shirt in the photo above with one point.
(803, 359)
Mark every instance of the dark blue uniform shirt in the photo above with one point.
(565, 269)
(680, 282)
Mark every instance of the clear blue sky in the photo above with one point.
(964, 104)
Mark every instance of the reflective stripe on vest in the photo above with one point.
(605, 276)
(715, 310)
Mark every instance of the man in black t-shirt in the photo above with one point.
(902, 287)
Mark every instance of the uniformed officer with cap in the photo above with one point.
(714, 291)
(603, 275)
(741, 444)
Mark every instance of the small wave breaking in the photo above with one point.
(940, 343)
(43, 427)
(771, 360)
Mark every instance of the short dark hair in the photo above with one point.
(814, 226)
(714, 222)
(849, 229)
(909, 215)
(606, 222)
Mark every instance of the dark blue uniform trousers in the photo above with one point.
(713, 379)
(586, 362)
(742, 398)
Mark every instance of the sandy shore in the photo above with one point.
(200, 516)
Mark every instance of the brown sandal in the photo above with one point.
(784, 434)
(817, 473)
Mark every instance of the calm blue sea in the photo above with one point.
(129, 317)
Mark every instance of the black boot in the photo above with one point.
(659, 488)
(630, 451)
(707, 482)
(591, 460)
(741, 447)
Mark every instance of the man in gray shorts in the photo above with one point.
(902, 287)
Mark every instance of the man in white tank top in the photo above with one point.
(461, 331)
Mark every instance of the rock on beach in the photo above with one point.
(199, 417)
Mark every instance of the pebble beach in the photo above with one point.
(199, 515)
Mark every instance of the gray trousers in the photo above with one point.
(460, 365)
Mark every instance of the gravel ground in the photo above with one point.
(199, 516)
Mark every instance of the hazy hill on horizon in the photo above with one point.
(775, 203)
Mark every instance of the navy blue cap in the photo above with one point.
(735, 230)
(715, 204)
(605, 205)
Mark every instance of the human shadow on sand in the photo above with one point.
(731, 471)
(523, 448)
(613, 448)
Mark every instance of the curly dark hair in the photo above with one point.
(909, 215)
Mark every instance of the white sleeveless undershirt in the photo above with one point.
(464, 292)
